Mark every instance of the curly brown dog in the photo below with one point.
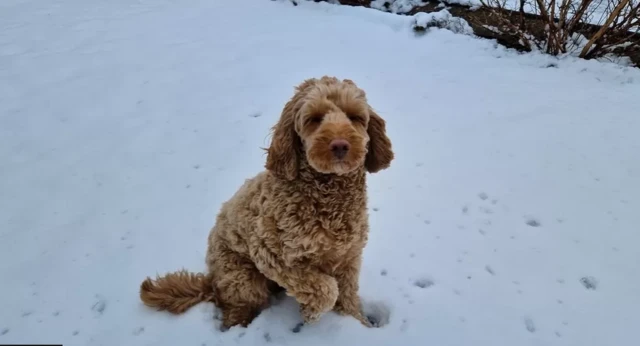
(302, 224)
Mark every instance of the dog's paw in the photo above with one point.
(320, 302)
(372, 321)
(310, 314)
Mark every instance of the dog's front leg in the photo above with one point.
(347, 275)
(316, 292)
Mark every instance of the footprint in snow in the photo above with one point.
(404, 325)
(485, 210)
(485, 222)
(378, 313)
(266, 337)
(589, 282)
(297, 328)
(99, 306)
(423, 283)
(489, 270)
(528, 323)
(138, 331)
(4, 331)
(483, 196)
(533, 222)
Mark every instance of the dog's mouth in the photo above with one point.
(329, 157)
(344, 166)
(341, 166)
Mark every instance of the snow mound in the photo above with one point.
(441, 19)
(396, 6)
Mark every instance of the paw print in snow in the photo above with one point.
(378, 313)
(589, 282)
(533, 222)
(489, 270)
(528, 323)
(99, 306)
(297, 328)
(424, 283)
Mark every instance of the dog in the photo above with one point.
(300, 225)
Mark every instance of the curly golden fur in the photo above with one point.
(302, 224)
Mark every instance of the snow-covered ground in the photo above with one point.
(510, 216)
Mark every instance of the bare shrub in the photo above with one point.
(594, 28)
(621, 27)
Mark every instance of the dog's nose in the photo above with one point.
(339, 148)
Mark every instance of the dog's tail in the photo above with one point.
(177, 292)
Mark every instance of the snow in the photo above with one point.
(425, 19)
(442, 19)
(509, 216)
(396, 6)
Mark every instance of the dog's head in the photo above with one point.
(331, 123)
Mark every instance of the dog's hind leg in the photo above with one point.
(242, 290)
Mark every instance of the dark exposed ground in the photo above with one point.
(479, 18)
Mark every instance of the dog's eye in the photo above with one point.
(315, 118)
(355, 118)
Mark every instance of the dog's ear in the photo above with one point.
(284, 151)
(282, 155)
(380, 154)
